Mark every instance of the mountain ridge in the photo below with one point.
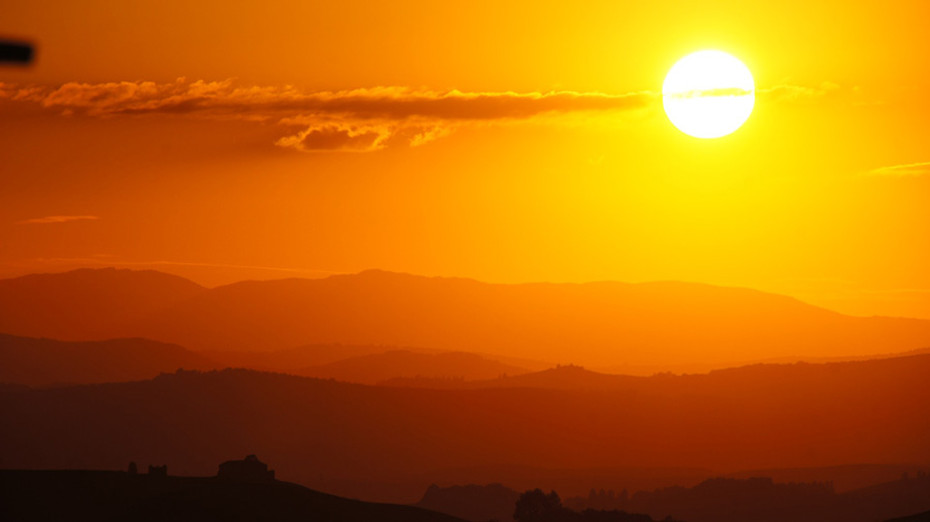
(595, 324)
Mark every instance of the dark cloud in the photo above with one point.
(361, 119)
(331, 137)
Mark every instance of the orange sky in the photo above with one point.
(517, 142)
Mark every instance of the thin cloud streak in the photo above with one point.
(905, 170)
(792, 93)
(56, 219)
(107, 261)
(711, 93)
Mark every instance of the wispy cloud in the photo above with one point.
(109, 260)
(55, 219)
(359, 119)
(908, 169)
(705, 93)
(788, 92)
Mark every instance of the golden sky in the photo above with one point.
(508, 142)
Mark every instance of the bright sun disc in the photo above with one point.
(708, 94)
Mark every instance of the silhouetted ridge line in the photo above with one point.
(762, 500)
(113, 495)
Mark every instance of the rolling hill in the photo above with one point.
(290, 360)
(386, 443)
(378, 367)
(46, 362)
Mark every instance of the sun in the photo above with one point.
(708, 94)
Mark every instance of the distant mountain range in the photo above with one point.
(596, 324)
(87, 304)
(385, 443)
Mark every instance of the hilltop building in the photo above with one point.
(249, 469)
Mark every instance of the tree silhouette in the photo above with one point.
(537, 506)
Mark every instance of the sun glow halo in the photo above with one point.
(708, 94)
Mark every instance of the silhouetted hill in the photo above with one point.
(292, 359)
(646, 370)
(471, 502)
(602, 323)
(713, 500)
(45, 362)
(571, 480)
(100, 496)
(762, 500)
(844, 478)
(380, 442)
(757, 378)
(374, 368)
(907, 495)
(87, 304)
(568, 377)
